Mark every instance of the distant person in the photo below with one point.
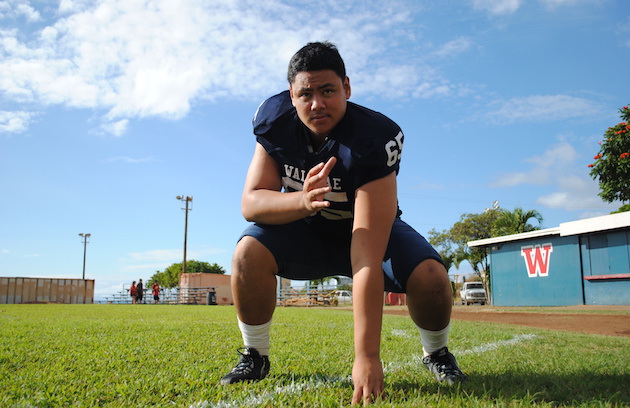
(133, 292)
(155, 288)
(140, 291)
(321, 192)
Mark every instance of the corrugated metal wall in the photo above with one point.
(606, 267)
(591, 269)
(514, 284)
(43, 290)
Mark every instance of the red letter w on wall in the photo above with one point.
(537, 259)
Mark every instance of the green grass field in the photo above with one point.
(174, 356)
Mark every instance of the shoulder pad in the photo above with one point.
(270, 110)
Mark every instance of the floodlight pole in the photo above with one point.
(187, 200)
(85, 239)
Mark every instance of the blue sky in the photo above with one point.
(110, 109)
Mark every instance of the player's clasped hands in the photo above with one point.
(316, 186)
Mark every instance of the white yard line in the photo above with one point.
(416, 359)
(317, 382)
(519, 338)
(293, 388)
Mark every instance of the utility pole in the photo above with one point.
(187, 200)
(85, 239)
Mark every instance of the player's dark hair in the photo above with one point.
(316, 56)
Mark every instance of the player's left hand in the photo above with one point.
(367, 376)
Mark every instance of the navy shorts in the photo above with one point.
(302, 255)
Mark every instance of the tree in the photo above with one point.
(452, 244)
(169, 278)
(612, 163)
(516, 222)
(442, 242)
(322, 281)
(472, 227)
(623, 208)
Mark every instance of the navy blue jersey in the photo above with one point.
(367, 145)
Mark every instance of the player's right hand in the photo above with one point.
(316, 186)
(367, 376)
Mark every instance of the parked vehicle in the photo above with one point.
(342, 297)
(473, 292)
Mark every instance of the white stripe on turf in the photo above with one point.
(321, 381)
(519, 338)
(416, 359)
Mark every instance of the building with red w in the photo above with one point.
(585, 262)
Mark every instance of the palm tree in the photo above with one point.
(516, 222)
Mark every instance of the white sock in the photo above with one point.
(256, 336)
(433, 340)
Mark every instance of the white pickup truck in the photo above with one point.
(342, 297)
(473, 292)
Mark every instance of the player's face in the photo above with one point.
(320, 98)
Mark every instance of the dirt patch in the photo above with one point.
(606, 320)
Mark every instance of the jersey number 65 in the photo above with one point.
(394, 149)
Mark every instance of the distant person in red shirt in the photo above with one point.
(156, 292)
(133, 292)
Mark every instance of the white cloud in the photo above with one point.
(405, 81)
(131, 59)
(429, 89)
(116, 128)
(574, 193)
(623, 31)
(558, 156)
(172, 255)
(28, 12)
(147, 268)
(14, 122)
(131, 62)
(18, 9)
(541, 108)
(455, 47)
(535, 175)
(148, 262)
(497, 7)
(159, 255)
(424, 184)
(552, 4)
(31, 256)
(557, 167)
(130, 160)
(545, 167)
(105, 288)
(72, 6)
(504, 7)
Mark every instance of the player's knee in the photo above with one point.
(430, 275)
(432, 269)
(252, 257)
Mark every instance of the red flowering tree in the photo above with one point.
(612, 163)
